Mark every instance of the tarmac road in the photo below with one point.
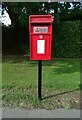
(24, 113)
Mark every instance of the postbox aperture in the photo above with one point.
(40, 29)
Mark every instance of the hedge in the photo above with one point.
(66, 39)
(65, 42)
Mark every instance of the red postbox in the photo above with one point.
(40, 29)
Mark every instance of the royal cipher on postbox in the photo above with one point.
(40, 31)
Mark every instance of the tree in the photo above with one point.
(19, 12)
(17, 35)
(63, 10)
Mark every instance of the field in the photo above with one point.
(60, 83)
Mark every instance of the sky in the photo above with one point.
(4, 18)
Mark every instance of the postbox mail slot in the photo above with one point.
(41, 19)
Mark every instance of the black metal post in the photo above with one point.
(39, 78)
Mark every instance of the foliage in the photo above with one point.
(66, 35)
(66, 39)
(19, 12)
(15, 41)
(62, 11)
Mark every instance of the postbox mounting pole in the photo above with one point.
(39, 78)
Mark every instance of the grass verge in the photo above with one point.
(60, 83)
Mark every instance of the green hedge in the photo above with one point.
(66, 39)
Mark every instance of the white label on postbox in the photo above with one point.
(40, 46)
(40, 29)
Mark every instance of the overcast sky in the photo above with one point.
(5, 17)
